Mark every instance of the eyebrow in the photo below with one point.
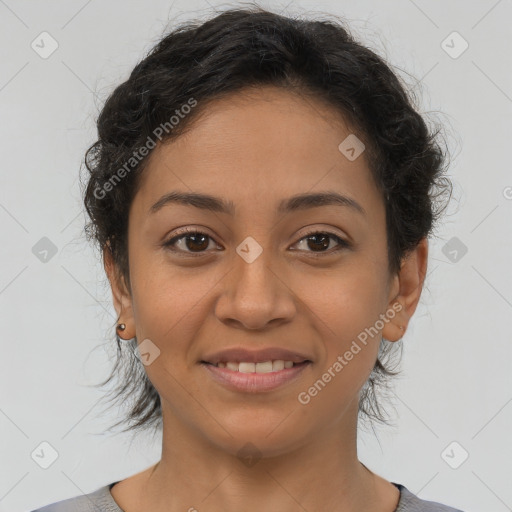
(294, 203)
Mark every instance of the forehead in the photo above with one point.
(263, 143)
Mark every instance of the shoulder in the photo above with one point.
(409, 502)
(98, 501)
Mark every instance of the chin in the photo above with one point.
(250, 448)
(265, 435)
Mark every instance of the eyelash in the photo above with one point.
(192, 231)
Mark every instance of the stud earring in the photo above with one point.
(120, 328)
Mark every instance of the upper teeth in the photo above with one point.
(265, 367)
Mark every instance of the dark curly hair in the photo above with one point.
(250, 47)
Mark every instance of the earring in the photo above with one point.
(121, 328)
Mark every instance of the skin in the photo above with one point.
(256, 148)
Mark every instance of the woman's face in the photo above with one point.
(253, 280)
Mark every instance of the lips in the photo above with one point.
(241, 355)
(255, 371)
(265, 367)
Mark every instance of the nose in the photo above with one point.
(255, 294)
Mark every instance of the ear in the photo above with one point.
(406, 291)
(121, 296)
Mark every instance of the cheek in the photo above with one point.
(346, 305)
(344, 309)
(167, 304)
(170, 309)
(348, 299)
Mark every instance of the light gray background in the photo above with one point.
(55, 316)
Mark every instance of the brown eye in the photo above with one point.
(190, 241)
(196, 242)
(319, 241)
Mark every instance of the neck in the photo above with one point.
(322, 473)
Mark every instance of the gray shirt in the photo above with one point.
(102, 501)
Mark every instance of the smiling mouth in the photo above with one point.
(270, 366)
(255, 377)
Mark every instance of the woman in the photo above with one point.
(262, 191)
